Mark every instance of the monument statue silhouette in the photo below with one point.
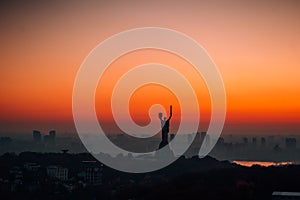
(165, 124)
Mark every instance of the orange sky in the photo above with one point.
(255, 44)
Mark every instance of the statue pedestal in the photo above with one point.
(162, 144)
(164, 151)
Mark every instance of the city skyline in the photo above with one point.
(254, 45)
(150, 99)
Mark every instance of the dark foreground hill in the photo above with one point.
(192, 178)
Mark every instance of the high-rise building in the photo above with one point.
(207, 141)
(198, 139)
(46, 139)
(49, 140)
(52, 134)
(263, 141)
(245, 140)
(220, 141)
(202, 136)
(290, 143)
(37, 137)
(190, 137)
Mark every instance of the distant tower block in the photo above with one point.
(37, 137)
(290, 143)
(50, 139)
(263, 141)
(52, 134)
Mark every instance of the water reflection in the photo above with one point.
(262, 163)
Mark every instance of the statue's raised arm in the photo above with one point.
(171, 112)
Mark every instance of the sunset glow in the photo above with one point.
(255, 46)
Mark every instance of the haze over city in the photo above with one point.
(254, 45)
(196, 63)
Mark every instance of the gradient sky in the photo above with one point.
(255, 44)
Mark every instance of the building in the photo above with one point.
(49, 140)
(33, 167)
(245, 140)
(221, 141)
(203, 134)
(190, 138)
(46, 139)
(5, 141)
(52, 134)
(198, 139)
(92, 172)
(207, 141)
(290, 143)
(263, 142)
(58, 172)
(17, 178)
(37, 137)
